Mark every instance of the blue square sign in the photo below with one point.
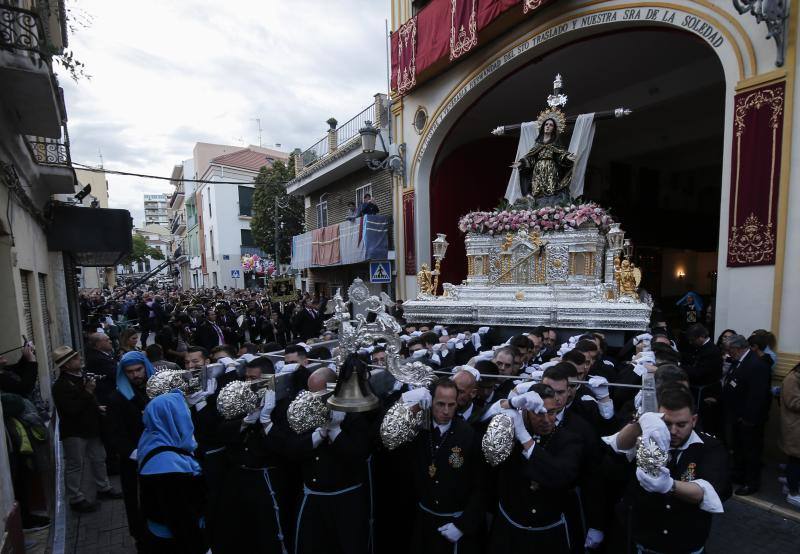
(236, 274)
(380, 272)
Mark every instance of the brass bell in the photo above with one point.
(352, 392)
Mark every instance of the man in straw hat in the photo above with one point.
(79, 415)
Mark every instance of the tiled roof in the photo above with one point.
(245, 159)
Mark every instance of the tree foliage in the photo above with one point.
(141, 251)
(271, 185)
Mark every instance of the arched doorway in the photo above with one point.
(659, 170)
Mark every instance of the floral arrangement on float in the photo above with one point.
(547, 218)
(258, 265)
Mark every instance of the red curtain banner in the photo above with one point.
(325, 246)
(463, 27)
(408, 232)
(755, 175)
(435, 34)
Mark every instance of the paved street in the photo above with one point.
(743, 528)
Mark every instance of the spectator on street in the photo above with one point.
(80, 414)
(129, 341)
(155, 354)
(100, 361)
(790, 433)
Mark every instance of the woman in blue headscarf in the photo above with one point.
(171, 486)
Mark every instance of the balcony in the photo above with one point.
(29, 87)
(338, 153)
(55, 164)
(178, 224)
(366, 238)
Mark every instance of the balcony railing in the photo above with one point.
(339, 136)
(50, 151)
(20, 29)
(350, 242)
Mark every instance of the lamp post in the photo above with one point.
(390, 158)
(440, 245)
(627, 249)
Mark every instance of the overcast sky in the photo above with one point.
(167, 74)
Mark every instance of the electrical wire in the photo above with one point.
(93, 169)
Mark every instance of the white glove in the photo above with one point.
(418, 353)
(451, 532)
(599, 386)
(288, 368)
(196, 397)
(522, 388)
(228, 362)
(520, 431)
(492, 411)
(661, 484)
(594, 538)
(252, 417)
(530, 401)
(654, 428)
(267, 407)
(334, 426)
(421, 396)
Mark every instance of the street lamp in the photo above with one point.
(385, 158)
(627, 248)
(440, 245)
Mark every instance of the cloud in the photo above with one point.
(168, 74)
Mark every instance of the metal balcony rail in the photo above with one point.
(20, 29)
(344, 134)
(50, 151)
(348, 130)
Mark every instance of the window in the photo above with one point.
(247, 238)
(214, 276)
(322, 213)
(360, 192)
(246, 201)
(25, 282)
(209, 206)
(45, 311)
(211, 242)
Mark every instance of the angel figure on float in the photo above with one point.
(628, 278)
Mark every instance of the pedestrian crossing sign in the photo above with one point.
(380, 272)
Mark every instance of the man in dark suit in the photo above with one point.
(745, 398)
(209, 333)
(703, 360)
(100, 361)
(307, 323)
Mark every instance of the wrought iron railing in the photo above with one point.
(20, 29)
(50, 151)
(348, 130)
(344, 134)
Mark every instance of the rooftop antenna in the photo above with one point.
(100, 155)
(258, 121)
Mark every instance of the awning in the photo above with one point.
(95, 237)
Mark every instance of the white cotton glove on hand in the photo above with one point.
(654, 428)
(530, 401)
(520, 431)
(421, 396)
(451, 532)
(265, 414)
(252, 417)
(661, 484)
(594, 538)
(492, 411)
(599, 386)
(197, 397)
(334, 426)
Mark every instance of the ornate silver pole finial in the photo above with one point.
(558, 98)
(775, 13)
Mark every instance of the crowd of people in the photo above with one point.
(193, 480)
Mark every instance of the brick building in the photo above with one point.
(329, 175)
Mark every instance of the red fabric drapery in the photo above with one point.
(408, 232)
(436, 30)
(325, 246)
(755, 175)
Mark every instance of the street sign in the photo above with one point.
(236, 273)
(380, 272)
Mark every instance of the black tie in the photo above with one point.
(437, 436)
(672, 464)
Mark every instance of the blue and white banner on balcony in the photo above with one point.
(376, 237)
